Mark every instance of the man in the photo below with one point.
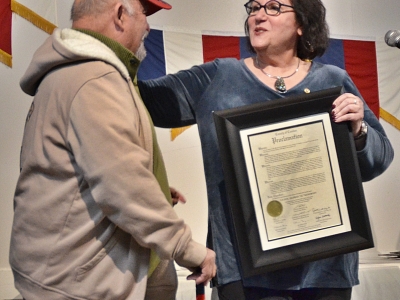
(92, 198)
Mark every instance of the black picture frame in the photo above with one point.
(253, 259)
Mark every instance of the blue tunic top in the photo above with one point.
(190, 97)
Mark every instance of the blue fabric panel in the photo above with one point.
(153, 66)
(334, 55)
(244, 49)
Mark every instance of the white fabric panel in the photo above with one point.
(381, 282)
(388, 62)
(345, 18)
(44, 8)
(182, 50)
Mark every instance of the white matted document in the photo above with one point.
(295, 181)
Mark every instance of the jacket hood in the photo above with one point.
(63, 47)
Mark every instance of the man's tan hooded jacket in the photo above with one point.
(87, 205)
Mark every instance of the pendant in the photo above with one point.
(280, 85)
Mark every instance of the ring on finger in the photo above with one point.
(355, 101)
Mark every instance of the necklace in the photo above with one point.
(280, 85)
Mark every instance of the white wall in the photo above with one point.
(347, 19)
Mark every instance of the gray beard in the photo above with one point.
(141, 52)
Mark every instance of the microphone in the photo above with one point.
(392, 38)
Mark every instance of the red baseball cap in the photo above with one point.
(155, 5)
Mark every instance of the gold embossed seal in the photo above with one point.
(274, 208)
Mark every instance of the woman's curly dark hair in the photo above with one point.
(310, 15)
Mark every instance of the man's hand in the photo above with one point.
(206, 270)
(176, 196)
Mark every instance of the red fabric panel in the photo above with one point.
(220, 46)
(5, 26)
(361, 64)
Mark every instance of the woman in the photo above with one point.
(284, 36)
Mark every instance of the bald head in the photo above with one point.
(121, 20)
(94, 8)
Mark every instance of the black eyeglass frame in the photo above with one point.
(278, 11)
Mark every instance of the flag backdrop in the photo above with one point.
(169, 53)
(373, 66)
(41, 13)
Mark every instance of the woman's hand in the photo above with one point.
(348, 107)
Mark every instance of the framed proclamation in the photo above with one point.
(294, 187)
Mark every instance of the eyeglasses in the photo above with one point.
(272, 8)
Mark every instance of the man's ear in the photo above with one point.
(118, 15)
